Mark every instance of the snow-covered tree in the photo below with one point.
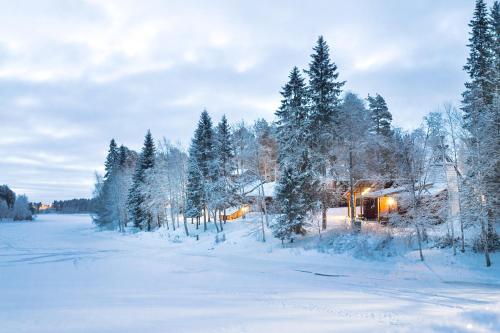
(295, 198)
(111, 191)
(324, 91)
(4, 209)
(353, 129)
(413, 165)
(194, 189)
(105, 190)
(202, 171)
(225, 189)
(481, 121)
(21, 209)
(7, 195)
(379, 157)
(479, 64)
(380, 116)
(112, 158)
(136, 196)
(292, 120)
(170, 184)
(324, 98)
(267, 145)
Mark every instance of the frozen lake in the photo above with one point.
(58, 274)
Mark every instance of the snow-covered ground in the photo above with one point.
(58, 274)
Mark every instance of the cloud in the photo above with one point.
(74, 74)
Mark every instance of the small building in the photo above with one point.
(374, 200)
(252, 200)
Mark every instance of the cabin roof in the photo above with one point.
(268, 189)
(370, 185)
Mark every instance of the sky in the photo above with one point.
(75, 73)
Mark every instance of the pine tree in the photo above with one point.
(111, 159)
(204, 137)
(292, 119)
(194, 189)
(495, 27)
(122, 159)
(480, 122)
(479, 64)
(493, 179)
(225, 165)
(202, 158)
(324, 98)
(295, 196)
(104, 216)
(21, 209)
(136, 198)
(324, 94)
(380, 116)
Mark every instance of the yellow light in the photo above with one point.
(366, 190)
(390, 201)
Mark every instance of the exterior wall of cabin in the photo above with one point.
(386, 205)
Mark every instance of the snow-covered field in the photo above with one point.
(58, 274)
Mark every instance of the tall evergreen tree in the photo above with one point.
(204, 137)
(480, 122)
(324, 98)
(223, 149)
(380, 116)
(296, 199)
(292, 119)
(225, 164)
(194, 189)
(223, 189)
(495, 27)
(479, 64)
(112, 158)
(136, 195)
(104, 216)
(324, 94)
(202, 154)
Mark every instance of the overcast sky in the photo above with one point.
(74, 74)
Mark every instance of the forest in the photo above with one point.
(324, 140)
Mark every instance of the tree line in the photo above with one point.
(82, 205)
(322, 136)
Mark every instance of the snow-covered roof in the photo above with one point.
(430, 188)
(268, 189)
(385, 192)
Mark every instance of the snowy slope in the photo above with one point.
(59, 274)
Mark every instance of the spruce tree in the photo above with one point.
(225, 166)
(122, 160)
(204, 137)
(104, 217)
(380, 116)
(324, 98)
(495, 28)
(111, 159)
(136, 198)
(480, 122)
(194, 189)
(292, 119)
(295, 197)
(324, 93)
(202, 155)
(479, 64)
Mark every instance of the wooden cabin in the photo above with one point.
(374, 200)
(252, 200)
